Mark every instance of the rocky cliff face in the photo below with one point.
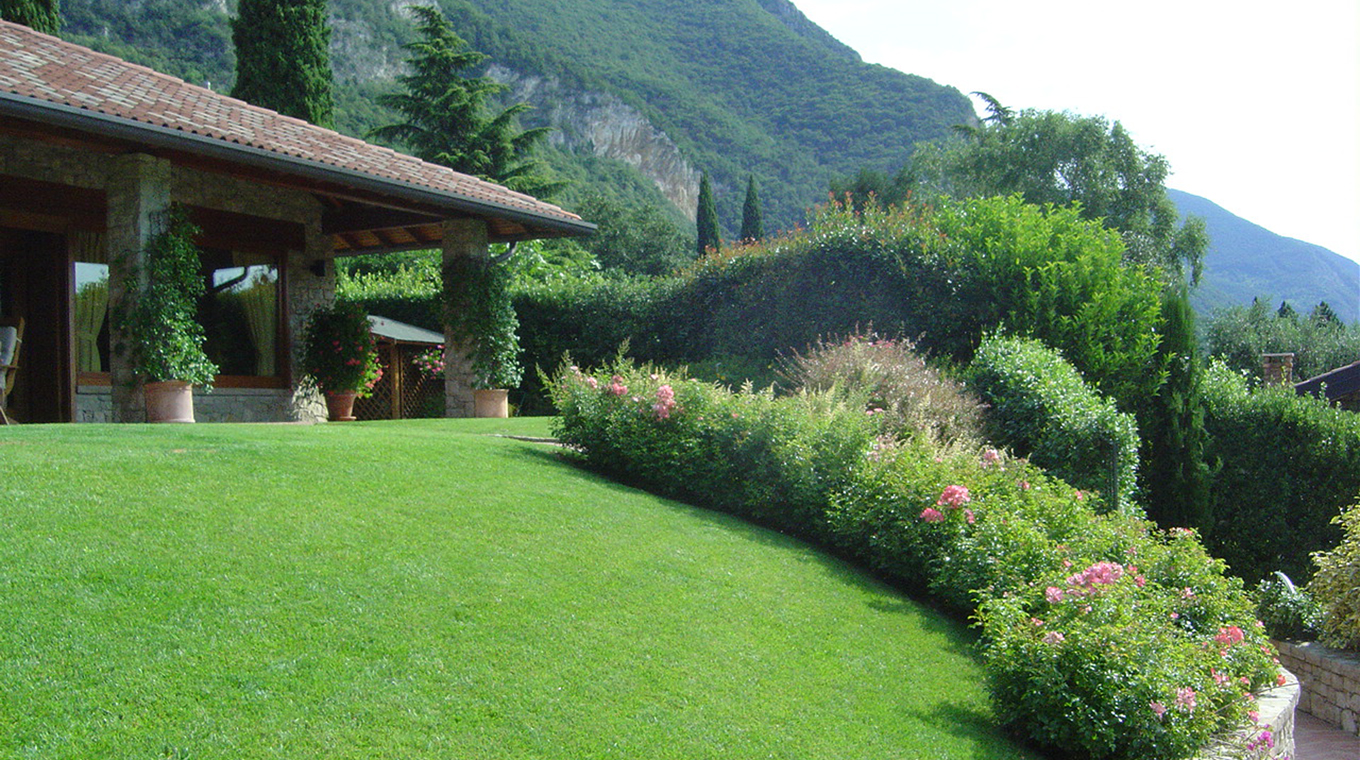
(604, 125)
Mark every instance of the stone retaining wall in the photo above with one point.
(1276, 708)
(1331, 682)
(95, 404)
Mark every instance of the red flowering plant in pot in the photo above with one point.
(341, 356)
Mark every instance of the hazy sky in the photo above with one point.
(1256, 105)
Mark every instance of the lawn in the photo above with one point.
(427, 589)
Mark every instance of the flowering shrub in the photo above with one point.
(430, 362)
(1103, 637)
(338, 350)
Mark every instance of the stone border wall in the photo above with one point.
(1276, 707)
(1331, 682)
(95, 404)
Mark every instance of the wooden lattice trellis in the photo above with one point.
(403, 393)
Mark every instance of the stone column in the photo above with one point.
(138, 190)
(311, 284)
(463, 238)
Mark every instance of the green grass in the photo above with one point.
(427, 589)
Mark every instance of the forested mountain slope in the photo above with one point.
(1246, 261)
(731, 87)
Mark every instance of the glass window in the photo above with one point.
(90, 253)
(240, 312)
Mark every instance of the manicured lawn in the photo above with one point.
(426, 590)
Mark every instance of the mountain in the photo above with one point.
(1247, 261)
(645, 94)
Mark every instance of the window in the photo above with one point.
(240, 312)
(91, 302)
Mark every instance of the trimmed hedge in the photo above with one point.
(1103, 637)
(1285, 466)
(942, 277)
(1041, 407)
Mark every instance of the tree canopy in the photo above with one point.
(283, 59)
(40, 15)
(1065, 159)
(447, 116)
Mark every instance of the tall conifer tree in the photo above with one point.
(706, 220)
(1176, 477)
(283, 59)
(40, 15)
(752, 225)
(448, 116)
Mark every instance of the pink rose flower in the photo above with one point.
(953, 496)
(932, 515)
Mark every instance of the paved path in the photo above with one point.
(1316, 740)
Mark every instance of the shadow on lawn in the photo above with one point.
(880, 594)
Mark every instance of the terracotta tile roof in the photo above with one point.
(45, 68)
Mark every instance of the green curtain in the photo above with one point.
(92, 300)
(260, 302)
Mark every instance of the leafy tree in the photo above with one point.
(752, 225)
(1176, 478)
(283, 58)
(706, 220)
(1286, 311)
(1240, 334)
(636, 238)
(448, 119)
(40, 15)
(1068, 160)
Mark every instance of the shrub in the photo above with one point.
(1285, 465)
(942, 276)
(912, 397)
(1287, 611)
(1102, 636)
(1042, 408)
(1337, 584)
(338, 349)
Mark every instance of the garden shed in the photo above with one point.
(407, 388)
(92, 147)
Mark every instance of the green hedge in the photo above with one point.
(1103, 637)
(1285, 466)
(1041, 407)
(942, 277)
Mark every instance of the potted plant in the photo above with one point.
(481, 319)
(341, 356)
(160, 323)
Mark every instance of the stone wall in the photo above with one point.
(1276, 709)
(1331, 682)
(95, 404)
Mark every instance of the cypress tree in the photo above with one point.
(40, 15)
(283, 59)
(1176, 477)
(706, 219)
(752, 226)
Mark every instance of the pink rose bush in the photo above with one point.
(1139, 627)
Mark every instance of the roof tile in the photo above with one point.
(45, 68)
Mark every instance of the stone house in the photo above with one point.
(92, 147)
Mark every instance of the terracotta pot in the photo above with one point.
(490, 403)
(169, 401)
(340, 405)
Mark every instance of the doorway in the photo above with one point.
(35, 283)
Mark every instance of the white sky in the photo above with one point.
(1256, 105)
